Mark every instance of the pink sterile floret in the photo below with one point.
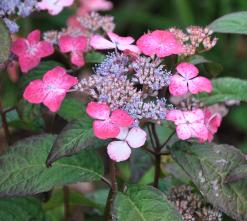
(54, 7)
(76, 45)
(51, 90)
(160, 43)
(107, 125)
(121, 43)
(187, 81)
(31, 50)
(212, 123)
(121, 150)
(95, 5)
(189, 124)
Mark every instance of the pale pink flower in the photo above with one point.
(121, 150)
(76, 45)
(186, 80)
(189, 124)
(161, 43)
(51, 90)
(212, 123)
(54, 7)
(121, 43)
(31, 50)
(95, 5)
(107, 125)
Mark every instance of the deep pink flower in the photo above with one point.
(95, 5)
(54, 7)
(121, 150)
(212, 123)
(160, 43)
(187, 81)
(51, 90)
(121, 43)
(107, 125)
(75, 45)
(189, 124)
(31, 50)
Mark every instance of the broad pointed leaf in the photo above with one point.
(234, 23)
(76, 135)
(208, 166)
(21, 209)
(237, 174)
(23, 170)
(144, 203)
(226, 89)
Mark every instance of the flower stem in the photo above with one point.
(4, 124)
(66, 203)
(112, 192)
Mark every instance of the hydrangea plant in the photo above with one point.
(120, 101)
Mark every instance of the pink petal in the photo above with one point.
(199, 131)
(184, 132)
(176, 116)
(121, 118)
(200, 84)
(159, 42)
(136, 137)
(131, 48)
(19, 47)
(99, 42)
(67, 3)
(214, 123)
(77, 59)
(53, 100)
(28, 62)
(80, 43)
(178, 85)
(34, 37)
(34, 92)
(44, 49)
(99, 111)
(105, 129)
(58, 79)
(118, 151)
(96, 5)
(120, 40)
(187, 70)
(123, 133)
(195, 116)
(66, 43)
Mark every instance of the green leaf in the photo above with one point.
(144, 203)
(237, 174)
(72, 109)
(76, 136)
(225, 89)
(94, 57)
(208, 166)
(5, 42)
(234, 23)
(21, 209)
(38, 72)
(23, 170)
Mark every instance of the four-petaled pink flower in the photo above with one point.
(31, 50)
(51, 90)
(212, 123)
(187, 81)
(121, 150)
(161, 43)
(107, 125)
(189, 124)
(121, 43)
(76, 45)
(54, 7)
